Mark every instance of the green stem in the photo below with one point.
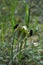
(29, 11)
(12, 47)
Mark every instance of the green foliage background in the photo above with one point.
(26, 50)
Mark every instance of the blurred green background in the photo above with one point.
(30, 50)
